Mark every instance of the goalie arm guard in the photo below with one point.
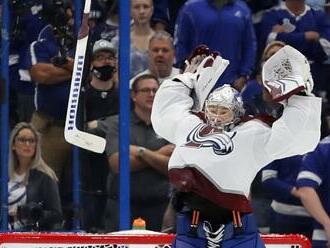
(297, 131)
(171, 113)
(171, 109)
(287, 73)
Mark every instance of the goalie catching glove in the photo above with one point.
(287, 73)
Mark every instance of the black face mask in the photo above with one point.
(104, 73)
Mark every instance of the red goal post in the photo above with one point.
(120, 240)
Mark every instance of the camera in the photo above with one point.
(30, 213)
(59, 61)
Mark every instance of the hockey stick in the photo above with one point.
(71, 133)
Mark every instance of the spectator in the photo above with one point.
(101, 100)
(161, 57)
(53, 83)
(160, 18)
(50, 66)
(224, 26)
(97, 12)
(108, 28)
(313, 189)
(34, 202)
(27, 22)
(101, 93)
(288, 215)
(149, 155)
(303, 28)
(141, 32)
(174, 7)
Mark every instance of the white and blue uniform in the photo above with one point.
(27, 22)
(315, 173)
(296, 26)
(289, 215)
(220, 166)
(317, 52)
(51, 100)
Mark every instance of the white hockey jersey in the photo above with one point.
(227, 162)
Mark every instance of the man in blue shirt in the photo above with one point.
(52, 91)
(26, 23)
(314, 186)
(50, 66)
(288, 214)
(303, 28)
(224, 26)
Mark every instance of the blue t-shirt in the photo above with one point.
(228, 30)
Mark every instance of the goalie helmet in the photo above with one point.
(228, 97)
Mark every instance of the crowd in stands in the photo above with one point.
(163, 35)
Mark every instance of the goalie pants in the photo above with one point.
(247, 237)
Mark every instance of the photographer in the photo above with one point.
(50, 66)
(25, 26)
(33, 198)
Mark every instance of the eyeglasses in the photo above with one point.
(102, 58)
(147, 90)
(23, 140)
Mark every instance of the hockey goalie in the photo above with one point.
(219, 150)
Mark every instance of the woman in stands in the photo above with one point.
(141, 32)
(33, 197)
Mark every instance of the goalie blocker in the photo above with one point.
(287, 73)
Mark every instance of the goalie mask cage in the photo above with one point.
(81, 240)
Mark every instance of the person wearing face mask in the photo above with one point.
(101, 93)
(101, 98)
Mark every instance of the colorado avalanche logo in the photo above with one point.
(206, 136)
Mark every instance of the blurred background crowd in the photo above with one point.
(163, 35)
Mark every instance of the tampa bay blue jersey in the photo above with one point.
(315, 172)
(279, 177)
(26, 24)
(50, 99)
(296, 26)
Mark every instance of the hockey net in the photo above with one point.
(122, 240)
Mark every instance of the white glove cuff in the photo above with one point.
(186, 78)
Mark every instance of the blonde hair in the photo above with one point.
(269, 46)
(37, 163)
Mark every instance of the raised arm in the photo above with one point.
(171, 113)
(286, 75)
(313, 205)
